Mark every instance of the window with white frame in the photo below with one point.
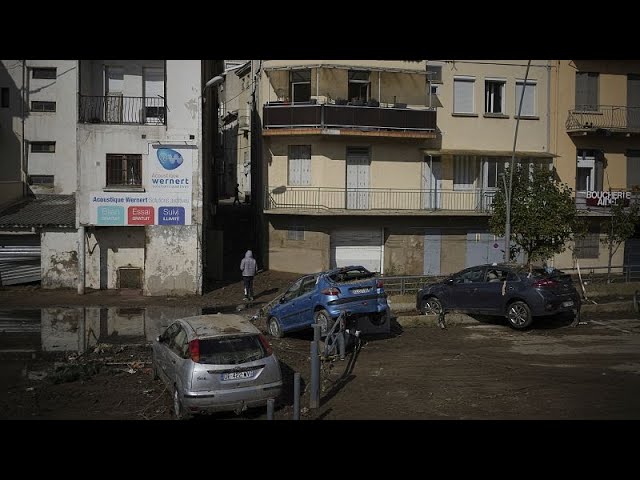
(463, 94)
(465, 172)
(493, 171)
(43, 147)
(587, 91)
(295, 233)
(300, 85)
(299, 168)
(494, 96)
(588, 246)
(529, 99)
(587, 171)
(124, 170)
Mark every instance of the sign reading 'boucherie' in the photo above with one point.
(604, 199)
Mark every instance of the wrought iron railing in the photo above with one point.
(117, 109)
(348, 116)
(326, 198)
(605, 117)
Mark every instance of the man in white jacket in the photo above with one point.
(248, 266)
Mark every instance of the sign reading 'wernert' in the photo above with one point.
(168, 176)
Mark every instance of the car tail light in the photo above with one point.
(331, 291)
(194, 350)
(546, 283)
(265, 344)
(379, 284)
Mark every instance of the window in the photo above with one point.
(124, 170)
(494, 96)
(589, 170)
(300, 85)
(463, 95)
(633, 169)
(43, 147)
(587, 91)
(43, 180)
(4, 97)
(494, 167)
(299, 165)
(359, 86)
(434, 73)
(295, 233)
(529, 99)
(465, 172)
(470, 276)
(43, 106)
(48, 73)
(588, 246)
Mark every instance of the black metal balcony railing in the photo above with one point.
(347, 116)
(604, 117)
(122, 110)
(326, 198)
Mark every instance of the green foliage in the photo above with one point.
(543, 213)
(621, 225)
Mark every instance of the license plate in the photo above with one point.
(360, 290)
(567, 304)
(238, 375)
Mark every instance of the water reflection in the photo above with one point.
(76, 329)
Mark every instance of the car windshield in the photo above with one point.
(348, 275)
(231, 350)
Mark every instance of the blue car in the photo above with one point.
(320, 297)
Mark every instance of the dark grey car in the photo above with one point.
(214, 363)
(514, 291)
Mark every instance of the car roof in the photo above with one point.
(218, 324)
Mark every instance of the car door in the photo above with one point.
(488, 297)
(286, 312)
(302, 305)
(176, 357)
(163, 347)
(462, 291)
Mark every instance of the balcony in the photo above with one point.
(121, 110)
(309, 118)
(326, 200)
(604, 120)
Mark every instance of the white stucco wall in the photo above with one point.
(58, 126)
(61, 329)
(59, 259)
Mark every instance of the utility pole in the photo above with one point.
(508, 188)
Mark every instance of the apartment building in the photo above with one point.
(596, 136)
(124, 138)
(392, 164)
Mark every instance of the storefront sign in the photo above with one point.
(604, 199)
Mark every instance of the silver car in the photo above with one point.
(216, 363)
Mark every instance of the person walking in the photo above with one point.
(237, 195)
(248, 266)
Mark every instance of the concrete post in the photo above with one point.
(81, 263)
(314, 401)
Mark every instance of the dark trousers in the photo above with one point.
(248, 286)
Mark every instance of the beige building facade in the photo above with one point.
(392, 164)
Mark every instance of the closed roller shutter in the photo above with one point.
(19, 259)
(357, 247)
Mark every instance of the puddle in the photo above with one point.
(77, 329)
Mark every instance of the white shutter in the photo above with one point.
(463, 95)
(528, 102)
(153, 86)
(300, 165)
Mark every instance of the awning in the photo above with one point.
(488, 153)
(345, 67)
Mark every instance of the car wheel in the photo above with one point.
(322, 318)
(274, 328)
(519, 315)
(178, 409)
(431, 306)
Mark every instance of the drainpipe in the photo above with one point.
(23, 143)
(549, 106)
(81, 243)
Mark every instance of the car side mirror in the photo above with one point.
(159, 339)
(450, 281)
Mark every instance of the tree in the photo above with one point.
(543, 213)
(618, 227)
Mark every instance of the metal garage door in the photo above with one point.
(19, 259)
(632, 258)
(357, 247)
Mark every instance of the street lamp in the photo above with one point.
(217, 80)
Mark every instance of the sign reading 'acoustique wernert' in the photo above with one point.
(166, 199)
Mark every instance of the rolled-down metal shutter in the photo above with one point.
(19, 259)
(357, 247)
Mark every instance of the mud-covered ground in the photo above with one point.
(482, 370)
